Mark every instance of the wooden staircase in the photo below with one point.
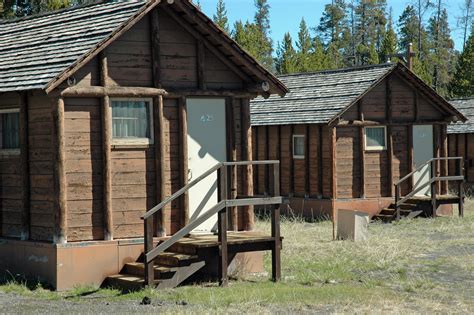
(412, 205)
(178, 258)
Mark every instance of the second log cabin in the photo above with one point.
(345, 137)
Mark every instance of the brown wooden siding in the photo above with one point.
(347, 162)
(461, 145)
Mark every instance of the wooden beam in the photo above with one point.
(177, 93)
(222, 228)
(117, 91)
(267, 157)
(279, 148)
(436, 154)
(183, 131)
(106, 125)
(201, 65)
(256, 132)
(155, 47)
(390, 161)
(232, 157)
(334, 178)
(160, 163)
(249, 220)
(445, 153)
(416, 106)
(60, 172)
(466, 156)
(25, 167)
(362, 161)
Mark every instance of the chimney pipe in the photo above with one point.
(410, 55)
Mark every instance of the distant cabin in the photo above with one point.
(105, 111)
(461, 137)
(345, 137)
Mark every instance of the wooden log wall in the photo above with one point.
(310, 176)
(461, 145)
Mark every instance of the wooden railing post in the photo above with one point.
(433, 187)
(397, 199)
(276, 257)
(222, 228)
(461, 190)
(148, 242)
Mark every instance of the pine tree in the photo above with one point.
(389, 43)
(263, 43)
(286, 61)
(333, 23)
(333, 58)
(465, 21)
(442, 57)
(462, 84)
(246, 36)
(304, 48)
(220, 18)
(318, 57)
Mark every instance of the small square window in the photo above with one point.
(298, 147)
(375, 138)
(132, 121)
(10, 129)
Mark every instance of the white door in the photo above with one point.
(206, 147)
(422, 152)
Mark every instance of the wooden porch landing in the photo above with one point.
(192, 255)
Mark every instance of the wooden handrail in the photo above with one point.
(152, 253)
(434, 178)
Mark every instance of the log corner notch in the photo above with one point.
(60, 184)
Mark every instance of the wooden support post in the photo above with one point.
(232, 156)
(160, 164)
(436, 145)
(397, 199)
(279, 148)
(249, 220)
(362, 161)
(466, 155)
(416, 106)
(445, 163)
(60, 173)
(320, 162)
(433, 187)
(292, 161)
(390, 160)
(183, 127)
(106, 151)
(256, 170)
(461, 191)
(149, 266)
(25, 167)
(307, 159)
(267, 157)
(276, 250)
(107, 167)
(222, 228)
(334, 180)
(410, 155)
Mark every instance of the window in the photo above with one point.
(132, 121)
(298, 147)
(10, 129)
(375, 138)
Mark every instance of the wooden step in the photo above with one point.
(126, 282)
(389, 211)
(138, 269)
(405, 206)
(171, 259)
(384, 217)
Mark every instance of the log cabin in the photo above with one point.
(115, 119)
(354, 139)
(460, 136)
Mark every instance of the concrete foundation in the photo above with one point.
(65, 266)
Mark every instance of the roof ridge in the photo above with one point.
(59, 11)
(365, 67)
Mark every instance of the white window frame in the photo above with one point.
(133, 141)
(375, 148)
(10, 151)
(298, 156)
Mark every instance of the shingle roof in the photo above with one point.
(465, 106)
(316, 97)
(33, 51)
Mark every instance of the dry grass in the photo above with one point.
(421, 265)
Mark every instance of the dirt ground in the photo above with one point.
(415, 266)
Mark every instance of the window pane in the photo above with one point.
(131, 119)
(375, 137)
(11, 131)
(298, 146)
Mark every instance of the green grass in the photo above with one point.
(421, 265)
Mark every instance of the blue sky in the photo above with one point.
(285, 15)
